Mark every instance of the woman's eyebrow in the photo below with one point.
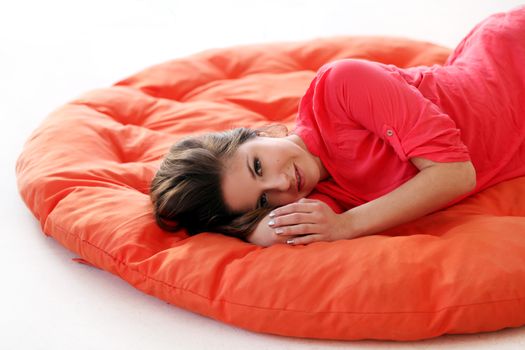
(252, 173)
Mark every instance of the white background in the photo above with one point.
(52, 51)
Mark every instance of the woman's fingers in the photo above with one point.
(304, 239)
(303, 205)
(293, 230)
(291, 219)
(304, 222)
(300, 218)
(294, 213)
(307, 200)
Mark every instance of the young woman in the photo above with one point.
(374, 146)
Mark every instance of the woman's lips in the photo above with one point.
(298, 179)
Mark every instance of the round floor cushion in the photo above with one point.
(85, 173)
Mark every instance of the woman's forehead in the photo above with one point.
(255, 147)
(262, 141)
(247, 147)
(237, 183)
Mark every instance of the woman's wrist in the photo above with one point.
(350, 225)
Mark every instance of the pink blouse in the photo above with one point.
(365, 120)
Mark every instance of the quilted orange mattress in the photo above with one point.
(85, 172)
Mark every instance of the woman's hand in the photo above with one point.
(307, 221)
(264, 235)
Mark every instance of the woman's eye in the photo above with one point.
(263, 202)
(257, 166)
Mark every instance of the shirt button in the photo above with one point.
(389, 132)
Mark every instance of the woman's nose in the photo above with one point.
(279, 183)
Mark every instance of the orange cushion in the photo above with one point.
(85, 173)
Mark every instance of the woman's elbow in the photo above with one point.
(471, 176)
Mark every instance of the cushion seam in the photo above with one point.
(270, 308)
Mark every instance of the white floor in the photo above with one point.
(51, 51)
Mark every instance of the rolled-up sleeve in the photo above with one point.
(382, 102)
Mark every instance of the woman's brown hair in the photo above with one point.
(186, 191)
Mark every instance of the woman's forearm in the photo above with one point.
(426, 192)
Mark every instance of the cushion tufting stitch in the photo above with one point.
(85, 172)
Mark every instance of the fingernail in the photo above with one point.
(271, 223)
(290, 241)
(272, 214)
(278, 231)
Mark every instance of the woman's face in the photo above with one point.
(270, 171)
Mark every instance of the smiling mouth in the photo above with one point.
(297, 179)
